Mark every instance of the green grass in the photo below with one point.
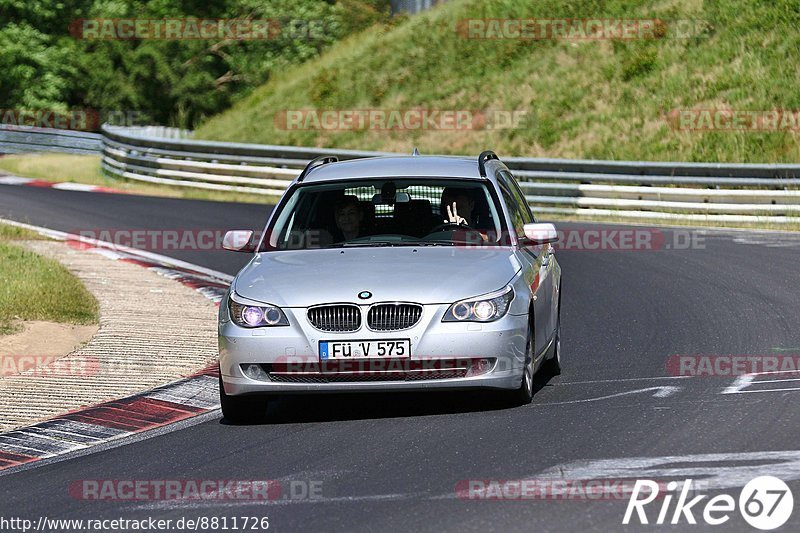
(15, 233)
(33, 287)
(584, 99)
(86, 169)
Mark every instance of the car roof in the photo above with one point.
(397, 167)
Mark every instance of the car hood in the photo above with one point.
(427, 275)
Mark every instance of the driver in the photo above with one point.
(349, 218)
(457, 206)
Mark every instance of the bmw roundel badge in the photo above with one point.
(365, 295)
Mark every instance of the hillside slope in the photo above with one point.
(610, 99)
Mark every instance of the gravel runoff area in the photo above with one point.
(153, 330)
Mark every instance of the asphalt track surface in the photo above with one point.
(393, 461)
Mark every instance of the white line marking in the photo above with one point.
(797, 389)
(80, 428)
(68, 186)
(740, 383)
(14, 180)
(24, 450)
(40, 436)
(661, 392)
(732, 469)
(745, 380)
(623, 380)
(62, 435)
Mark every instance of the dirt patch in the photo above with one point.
(40, 343)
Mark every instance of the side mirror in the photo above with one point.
(540, 233)
(239, 240)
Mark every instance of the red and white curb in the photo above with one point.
(112, 420)
(64, 186)
(105, 422)
(210, 283)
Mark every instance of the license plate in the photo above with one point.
(372, 349)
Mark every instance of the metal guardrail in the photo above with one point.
(621, 189)
(624, 189)
(22, 139)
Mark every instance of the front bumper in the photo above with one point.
(432, 340)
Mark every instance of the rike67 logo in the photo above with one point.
(765, 503)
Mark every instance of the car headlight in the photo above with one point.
(256, 316)
(486, 308)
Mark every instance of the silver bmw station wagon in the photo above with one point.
(392, 273)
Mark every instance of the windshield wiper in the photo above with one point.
(435, 243)
(370, 243)
(376, 244)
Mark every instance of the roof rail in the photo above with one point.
(316, 162)
(483, 158)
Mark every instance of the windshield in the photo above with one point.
(386, 212)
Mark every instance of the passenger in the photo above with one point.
(349, 218)
(457, 206)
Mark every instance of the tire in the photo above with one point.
(242, 409)
(524, 394)
(553, 365)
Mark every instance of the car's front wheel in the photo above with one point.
(242, 409)
(524, 394)
(553, 365)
